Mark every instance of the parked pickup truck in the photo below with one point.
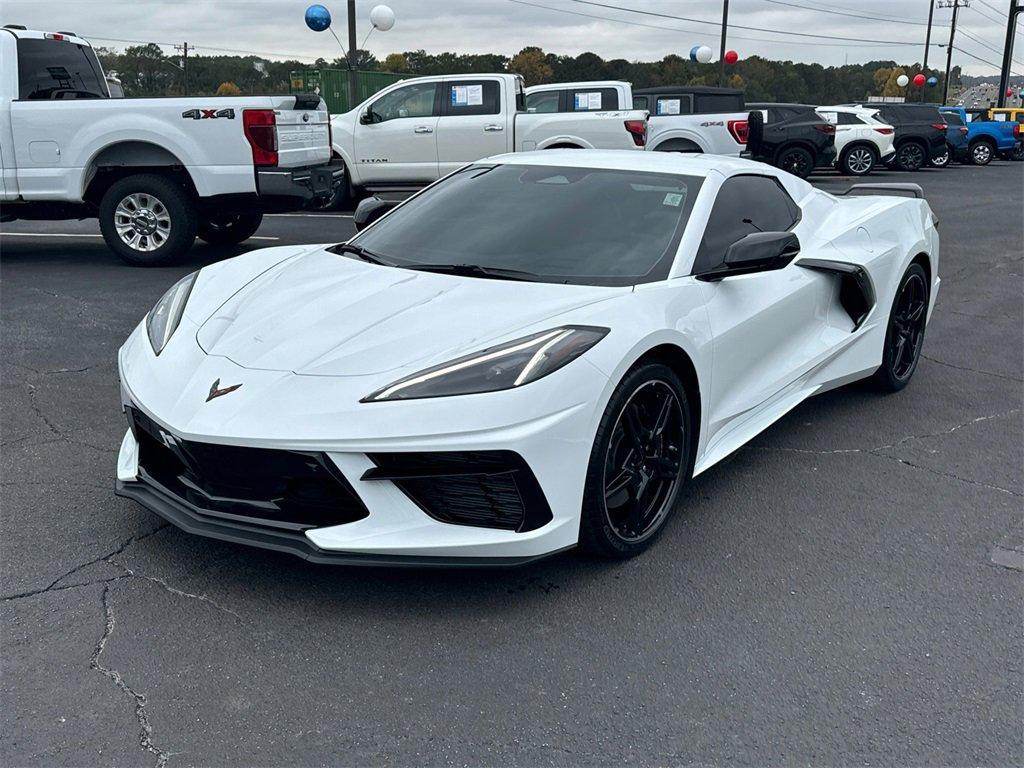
(985, 138)
(415, 131)
(684, 118)
(1012, 115)
(155, 172)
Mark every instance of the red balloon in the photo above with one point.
(731, 57)
(1009, 91)
(919, 81)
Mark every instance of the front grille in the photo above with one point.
(289, 490)
(487, 489)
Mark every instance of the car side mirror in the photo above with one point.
(369, 210)
(757, 252)
(366, 116)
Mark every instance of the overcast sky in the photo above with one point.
(560, 26)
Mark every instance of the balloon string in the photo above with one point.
(363, 46)
(339, 42)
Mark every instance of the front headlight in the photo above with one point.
(502, 367)
(162, 321)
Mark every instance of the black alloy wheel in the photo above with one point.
(796, 160)
(910, 156)
(229, 228)
(904, 336)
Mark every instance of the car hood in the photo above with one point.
(323, 314)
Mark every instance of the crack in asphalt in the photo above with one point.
(972, 370)
(145, 729)
(174, 590)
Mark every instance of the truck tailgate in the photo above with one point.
(302, 134)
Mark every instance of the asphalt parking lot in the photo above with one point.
(847, 590)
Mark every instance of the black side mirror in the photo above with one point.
(366, 116)
(369, 210)
(757, 252)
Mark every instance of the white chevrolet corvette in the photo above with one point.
(534, 353)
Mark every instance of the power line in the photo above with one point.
(983, 44)
(833, 12)
(199, 47)
(998, 12)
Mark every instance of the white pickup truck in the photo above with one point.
(156, 172)
(418, 130)
(684, 118)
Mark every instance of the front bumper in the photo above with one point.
(308, 183)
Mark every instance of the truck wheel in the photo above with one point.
(910, 156)
(857, 161)
(148, 220)
(1017, 153)
(796, 160)
(981, 153)
(941, 161)
(229, 228)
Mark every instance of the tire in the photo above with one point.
(942, 160)
(229, 228)
(981, 153)
(908, 318)
(343, 198)
(612, 523)
(858, 160)
(1017, 153)
(910, 156)
(795, 160)
(160, 236)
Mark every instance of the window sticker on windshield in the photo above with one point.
(669, 106)
(672, 198)
(588, 100)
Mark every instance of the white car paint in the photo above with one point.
(309, 334)
(860, 126)
(409, 152)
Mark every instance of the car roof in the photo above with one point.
(35, 34)
(683, 163)
(687, 89)
(578, 84)
(766, 104)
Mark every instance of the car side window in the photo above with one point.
(416, 100)
(745, 204)
(593, 99)
(542, 101)
(640, 102)
(472, 97)
(848, 118)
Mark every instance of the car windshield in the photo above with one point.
(537, 222)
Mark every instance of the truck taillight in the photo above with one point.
(739, 129)
(638, 130)
(1016, 130)
(260, 126)
(825, 128)
(963, 130)
(54, 36)
(939, 126)
(885, 131)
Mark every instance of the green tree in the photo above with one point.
(395, 62)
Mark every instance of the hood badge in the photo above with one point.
(216, 391)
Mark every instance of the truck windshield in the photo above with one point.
(57, 69)
(535, 222)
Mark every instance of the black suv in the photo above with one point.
(920, 133)
(794, 138)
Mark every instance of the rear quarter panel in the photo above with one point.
(589, 130)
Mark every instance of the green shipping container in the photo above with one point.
(332, 85)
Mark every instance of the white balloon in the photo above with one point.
(902, 81)
(704, 54)
(382, 18)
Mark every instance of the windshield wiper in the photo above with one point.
(362, 253)
(474, 270)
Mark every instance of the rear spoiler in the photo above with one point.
(884, 188)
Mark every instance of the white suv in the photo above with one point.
(862, 139)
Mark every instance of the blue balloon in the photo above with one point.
(933, 80)
(318, 18)
(693, 52)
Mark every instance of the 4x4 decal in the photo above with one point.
(208, 114)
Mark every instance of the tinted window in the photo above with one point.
(745, 204)
(640, 102)
(415, 100)
(471, 97)
(51, 69)
(542, 101)
(593, 99)
(952, 118)
(715, 103)
(576, 225)
(848, 118)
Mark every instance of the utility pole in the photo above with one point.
(721, 54)
(353, 98)
(927, 46)
(184, 65)
(1004, 75)
(955, 5)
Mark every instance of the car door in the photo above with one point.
(397, 138)
(472, 124)
(766, 326)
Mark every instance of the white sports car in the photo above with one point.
(534, 353)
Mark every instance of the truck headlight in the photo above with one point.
(501, 367)
(162, 321)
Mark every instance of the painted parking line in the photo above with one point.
(312, 215)
(87, 234)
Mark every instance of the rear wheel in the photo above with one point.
(639, 462)
(857, 161)
(904, 335)
(910, 156)
(229, 228)
(941, 161)
(981, 153)
(795, 160)
(1017, 153)
(148, 220)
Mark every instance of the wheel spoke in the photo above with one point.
(623, 481)
(634, 428)
(664, 411)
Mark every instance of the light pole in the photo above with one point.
(955, 5)
(927, 45)
(352, 79)
(1004, 74)
(721, 53)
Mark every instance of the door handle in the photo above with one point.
(493, 127)
(423, 129)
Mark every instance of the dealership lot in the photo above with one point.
(847, 589)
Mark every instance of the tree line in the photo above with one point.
(147, 70)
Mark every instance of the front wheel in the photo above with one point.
(796, 160)
(941, 161)
(904, 335)
(229, 228)
(639, 462)
(981, 153)
(857, 161)
(148, 220)
(910, 156)
(1017, 153)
